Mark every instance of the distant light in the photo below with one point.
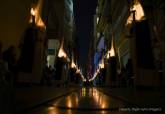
(139, 12)
(102, 63)
(69, 102)
(78, 71)
(73, 64)
(61, 52)
(112, 50)
(33, 12)
(97, 20)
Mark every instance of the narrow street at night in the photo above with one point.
(82, 56)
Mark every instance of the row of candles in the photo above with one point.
(139, 15)
(101, 65)
(63, 55)
(36, 19)
(110, 53)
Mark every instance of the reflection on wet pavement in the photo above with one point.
(84, 101)
(89, 99)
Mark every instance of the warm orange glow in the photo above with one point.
(112, 50)
(51, 110)
(61, 52)
(78, 71)
(103, 105)
(35, 11)
(32, 11)
(83, 92)
(130, 19)
(73, 64)
(102, 64)
(40, 23)
(139, 12)
(69, 103)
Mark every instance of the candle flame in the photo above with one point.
(61, 52)
(35, 12)
(73, 64)
(112, 50)
(139, 12)
(77, 71)
(32, 11)
(102, 64)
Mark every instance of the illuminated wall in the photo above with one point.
(14, 19)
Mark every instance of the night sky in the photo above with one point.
(84, 11)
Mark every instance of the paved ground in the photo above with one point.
(76, 100)
(19, 99)
(84, 101)
(142, 98)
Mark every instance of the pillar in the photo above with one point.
(145, 73)
(39, 58)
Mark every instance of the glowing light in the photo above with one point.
(40, 23)
(35, 11)
(61, 52)
(108, 54)
(32, 11)
(69, 103)
(112, 50)
(78, 71)
(83, 92)
(102, 64)
(139, 12)
(97, 20)
(51, 110)
(73, 64)
(103, 105)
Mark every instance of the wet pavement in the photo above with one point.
(84, 101)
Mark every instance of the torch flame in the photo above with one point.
(139, 12)
(61, 52)
(32, 11)
(35, 11)
(112, 51)
(102, 64)
(73, 64)
(78, 71)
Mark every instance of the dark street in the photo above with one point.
(82, 56)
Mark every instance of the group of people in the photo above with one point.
(7, 66)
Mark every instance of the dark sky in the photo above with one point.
(84, 11)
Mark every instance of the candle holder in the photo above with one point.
(72, 72)
(60, 63)
(113, 69)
